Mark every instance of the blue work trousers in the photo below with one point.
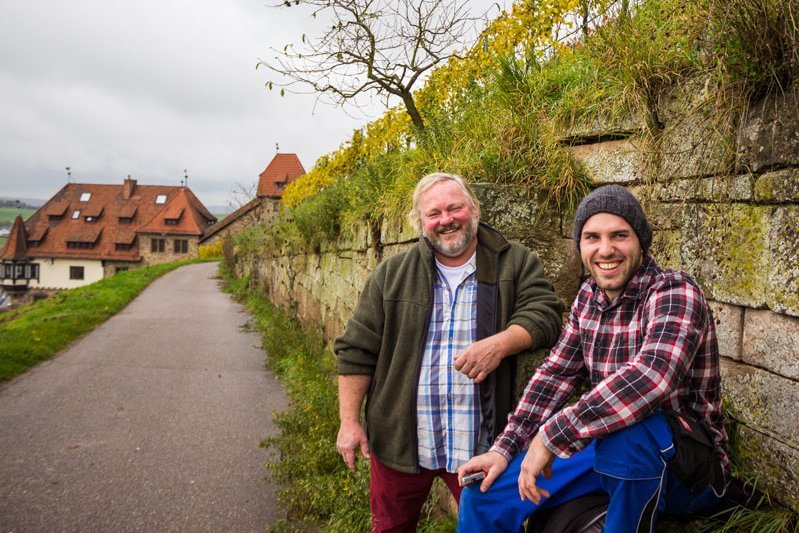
(631, 465)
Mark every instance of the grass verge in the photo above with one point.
(37, 331)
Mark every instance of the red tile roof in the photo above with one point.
(110, 210)
(282, 170)
(181, 207)
(16, 246)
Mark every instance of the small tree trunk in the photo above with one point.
(413, 112)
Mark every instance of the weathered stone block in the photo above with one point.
(599, 127)
(397, 230)
(775, 464)
(664, 216)
(783, 272)
(713, 189)
(762, 401)
(564, 269)
(725, 248)
(515, 211)
(666, 249)
(780, 186)
(693, 143)
(771, 341)
(729, 321)
(769, 136)
(610, 161)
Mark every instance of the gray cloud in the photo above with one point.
(117, 87)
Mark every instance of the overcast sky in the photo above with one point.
(112, 88)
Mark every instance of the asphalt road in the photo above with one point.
(149, 423)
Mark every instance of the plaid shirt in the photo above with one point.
(448, 410)
(654, 347)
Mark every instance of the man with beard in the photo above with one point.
(430, 346)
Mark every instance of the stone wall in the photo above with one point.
(723, 199)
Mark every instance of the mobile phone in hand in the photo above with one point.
(473, 478)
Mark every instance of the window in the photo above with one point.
(75, 272)
(181, 246)
(280, 185)
(160, 199)
(157, 245)
(76, 245)
(32, 271)
(55, 218)
(20, 271)
(85, 197)
(171, 221)
(123, 246)
(90, 219)
(125, 220)
(76, 214)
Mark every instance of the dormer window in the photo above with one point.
(125, 220)
(160, 199)
(280, 185)
(85, 197)
(171, 221)
(76, 214)
(90, 219)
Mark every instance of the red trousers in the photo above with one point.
(396, 498)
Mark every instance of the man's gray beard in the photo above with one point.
(457, 248)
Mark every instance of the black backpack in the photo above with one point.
(585, 514)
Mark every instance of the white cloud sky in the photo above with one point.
(150, 88)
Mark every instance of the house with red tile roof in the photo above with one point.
(282, 170)
(90, 231)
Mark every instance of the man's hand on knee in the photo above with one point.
(537, 461)
(350, 438)
(492, 463)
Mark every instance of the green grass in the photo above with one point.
(37, 331)
(7, 214)
(318, 492)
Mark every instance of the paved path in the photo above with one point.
(150, 423)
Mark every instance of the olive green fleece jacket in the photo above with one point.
(385, 338)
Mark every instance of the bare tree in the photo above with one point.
(382, 47)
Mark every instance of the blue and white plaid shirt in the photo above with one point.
(448, 411)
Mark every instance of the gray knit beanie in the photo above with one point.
(616, 200)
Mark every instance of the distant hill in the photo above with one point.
(220, 211)
(31, 203)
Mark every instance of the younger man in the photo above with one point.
(650, 431)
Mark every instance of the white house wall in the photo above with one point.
(54, 273)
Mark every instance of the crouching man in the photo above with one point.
(650, 430)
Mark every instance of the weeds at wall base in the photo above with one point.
(317, 490)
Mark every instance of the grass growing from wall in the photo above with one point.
(34, 332)
(318, 491)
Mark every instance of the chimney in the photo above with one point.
(127, 188)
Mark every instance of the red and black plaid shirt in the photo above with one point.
(654, 347)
